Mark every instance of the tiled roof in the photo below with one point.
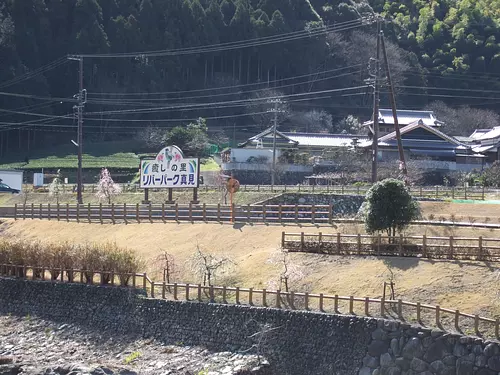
(324, 139)
(406, 117)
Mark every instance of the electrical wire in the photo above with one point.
(28, 75)
(279, 38)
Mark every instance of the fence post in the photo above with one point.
(224, 293)
(204, 212)
(336, 304)
(296, 212)
(457, 317)
(382, 307)
(359, 244)
(453, 192)
(15, 211)
(175, 291)
(476, 324)
(497, 326)
(199, 292)
(302, 241)
(351, 302)
(89, 213)
(264, 214)
(190, 211)
(150, 214)
(480, 248)
(330, 214)
(187, 292)
(278, 297)
(176, 211)
(48, 210)
(218, 212)
(320, 239)
(379, 243)
(338, 242)
(250, 296)
(450, 250)
(424, 245)
(100, 212)
(418, 312)
(163, 212)
(306, 301)
(41, 212)
(367, 306)
(113, 212)
(465, 192)
(67, 211)
(32, 211)
(77, 213)
(249, 213)
(24, 212)
(400, 309)
(313, 212)
(279, 213)
(437, 191)
(401, 239)
(321, 302)
(283, 239)
(420, 191)
(482, 193)
(264, 303)
(163, 287)
(237, 295)
(438, 314)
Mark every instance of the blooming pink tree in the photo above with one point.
(106, 187)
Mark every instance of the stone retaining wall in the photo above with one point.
(294, 342)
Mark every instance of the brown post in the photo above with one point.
(125, 213)
(218, 212)
(224, 293)
(175, 291)
(313, 213)
(163, 212)
(367, 306)
(418, 312)
(400, 244)
(497, 328)
(264, 303)
(176, 211)
(150, 213)
(480, 248)
(302, 241)
(237, 297)
(457, 317)
(359, 244)
(170, 198)
(249, 209)
(320, 239)
(321, 302)
(32, 211)
(264, 213)
(278, 299)
(351, 302)
(77, 213)
(330, 214)
(338, 243)
(15, 211)
(297, 212)
(187, 292)
(450, 252)
(382, 307)
(163, 291)
(146, 196)
(195, 196)
(279, 213)
(67, 211)
(400, 309)
(199, 292)
(89, 214)
(336, 304)
(100, 212)
(306, 301)
(144, 282)
(204, 212)
(283, 239)
(438, 314)
(476, 324)
(48, 210)
(190, 212)
(113, 212)
(58, 208)
(424, 245)
(250, 296)
(41, 212)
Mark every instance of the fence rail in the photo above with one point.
(436, 192)
(424, 314)
(316, 214)
(458, 248)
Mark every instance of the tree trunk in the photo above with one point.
(248, 68)
(240, 62)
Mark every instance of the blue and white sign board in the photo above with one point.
(170, 169)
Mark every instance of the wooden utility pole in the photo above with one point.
(376, 109)
(273, 173)
(404, 171)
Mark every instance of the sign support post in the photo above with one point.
(146, 196)
(170, 196)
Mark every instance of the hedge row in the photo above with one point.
(54, 257)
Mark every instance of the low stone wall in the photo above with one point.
(294, 342)
(342, 205)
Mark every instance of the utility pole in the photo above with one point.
(404, 171)
(82, 98)
(376, 101)
(273, 173)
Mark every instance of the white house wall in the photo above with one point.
(241, 155)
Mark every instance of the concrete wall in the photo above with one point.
(299, 342)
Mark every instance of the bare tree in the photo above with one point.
(289, 273)
(262, 334)
(208, 266)
(463, 120)
(261, 108)
(168, 266)
(313, 121)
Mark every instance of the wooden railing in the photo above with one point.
(411, 312)
(316, 214)
(470, 248)
(436, 192)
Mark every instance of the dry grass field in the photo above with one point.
(471, 286)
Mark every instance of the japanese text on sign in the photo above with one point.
(170, 170)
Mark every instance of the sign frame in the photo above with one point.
(170, 169)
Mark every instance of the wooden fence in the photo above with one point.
(411, 312)
(459, 248)
(316, 214)
(435, 192)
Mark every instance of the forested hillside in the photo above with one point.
(221, 60)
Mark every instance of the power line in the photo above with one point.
(27, 96)
(28, 75)
(279, 38)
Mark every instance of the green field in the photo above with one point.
(120, 155)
